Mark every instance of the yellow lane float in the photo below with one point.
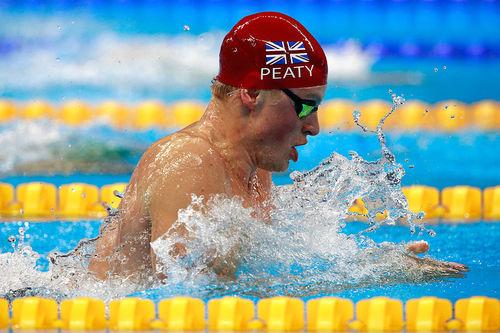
(329, 314)
(75, 113)
(36, 110)
(281, 313)
(7, 110)
(230, 314)
(149, 114)
(114, 113)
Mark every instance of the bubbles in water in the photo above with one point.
(444, 67)
(299, 249)
(186, 28)
(356, 114)
(295, 175)
(118, 194)
(436, 69)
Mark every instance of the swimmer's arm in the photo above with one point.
(205, 177)
(116, 232)
(433, 266)
(418, 247)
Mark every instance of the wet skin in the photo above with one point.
(232, 150)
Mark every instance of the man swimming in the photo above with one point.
(272, 78)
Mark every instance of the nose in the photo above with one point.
(311, 125)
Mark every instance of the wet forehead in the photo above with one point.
(314, 93)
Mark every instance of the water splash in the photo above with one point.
(41, 146)
(67, 275)
(300, 249)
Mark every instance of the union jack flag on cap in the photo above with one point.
(271, 50)
(282, 53)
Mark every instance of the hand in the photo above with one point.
(442, 268)
(432, 266)
(418, 247)
(436, 268)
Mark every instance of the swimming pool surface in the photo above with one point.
(128, 51)
(434, 159)
(474, 244)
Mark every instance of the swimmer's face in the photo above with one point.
(279, 130)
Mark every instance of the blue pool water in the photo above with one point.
(475, 245)
(435, 159)
(127, 50)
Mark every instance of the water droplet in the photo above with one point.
(58, 59)
(186, 27)
(411, 166)
(295, 175)
(73, 189)
(452, 116)
(436, 69)
(356, 114)
(412, 229)
(59, 27)
(11, 239)
(431, 233)
(444, 67)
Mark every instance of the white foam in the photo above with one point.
(64, 52)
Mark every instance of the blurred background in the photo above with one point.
(87, 85)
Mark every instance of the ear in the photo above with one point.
(249, 98)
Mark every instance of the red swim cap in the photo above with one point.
(271, 50)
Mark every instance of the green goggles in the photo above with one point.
(303, 107)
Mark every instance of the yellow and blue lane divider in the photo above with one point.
(38, 200)
(286, 314)
(336, 114)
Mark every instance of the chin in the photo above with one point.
(276, 167)
(282, 166)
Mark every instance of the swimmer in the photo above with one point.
(271, 80)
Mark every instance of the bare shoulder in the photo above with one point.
(178, 151)
(173, 170)
(181, 165)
